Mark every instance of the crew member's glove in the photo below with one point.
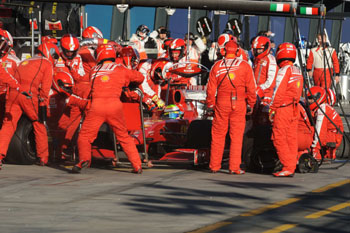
(159, 102)
(150, 43)
(249, 110)
(26, 94)
(210, 111)
(271, 115)
(149, 102)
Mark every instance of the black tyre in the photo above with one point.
(258, 152)
(199, 134)
(343, 150)
(22, 146)
(307, 164)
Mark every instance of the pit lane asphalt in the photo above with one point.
(162, 199)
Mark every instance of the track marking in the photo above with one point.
(211, 227)
(334, 185)
(281, 228)
(328, 210)
(270, 207)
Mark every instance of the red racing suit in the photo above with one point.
(70, 120)
(231, 86)
(289, 84)
(317, 61)
(151, 89)
(34, 76)
(265, 72)
(325, 129)
(305, 130)
(107, 84)
(9, 63)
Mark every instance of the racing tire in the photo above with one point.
(343, 150)
(258, 153)
(307, 164)
(22, 148)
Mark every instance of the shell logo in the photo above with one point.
(24, 63)
(105, 78)
(231, 76)
(71, 46)
(298, 84)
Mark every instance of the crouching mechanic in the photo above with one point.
(328, 124)
(35, 78)
(284, 110)
(108, 79)
(231, 86)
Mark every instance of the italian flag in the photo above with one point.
(279, 7)
(308, 11)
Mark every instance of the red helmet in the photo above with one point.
(231, 49)
(50, 51)
(157, 71)
(63, 82)
(224, 38)
(317, 96)
(69, 45)
(176, 50)
(8, 36)
(92, 32)
(4, 43)
(261, 42)
(286, 52)
(105, 52)
(331, 97)
(49, 39)
(166, 43)
(130, 56)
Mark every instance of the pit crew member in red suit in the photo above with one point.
(233, 80)
(35, 78)
(9, 63)
(72, 63)
(284, 111)
(265, 68)
(108, 80)
(317, 61)
(327, 131)
(152, 84)
(305, 131)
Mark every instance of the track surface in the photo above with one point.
(168, 199)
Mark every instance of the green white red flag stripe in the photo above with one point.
(279, 7)
(308, 10)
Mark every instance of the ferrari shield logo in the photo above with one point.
(231, 76)
(105, 78)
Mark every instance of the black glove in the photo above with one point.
(26, 94)
(249, 110)
(210, 111)
(150, 43)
